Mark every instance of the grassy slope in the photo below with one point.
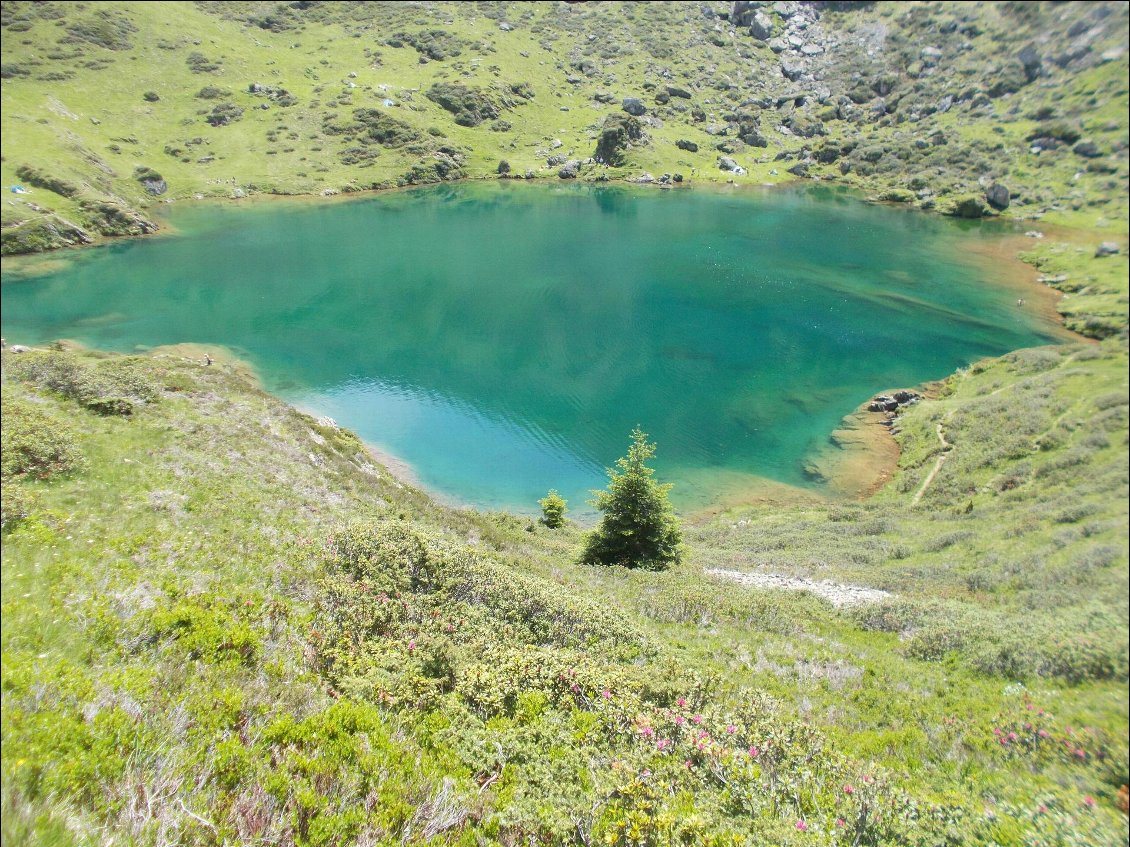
(199, 622)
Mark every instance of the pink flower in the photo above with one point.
(1043, 733)
(682, 701)
(841, 822)
(697, 719)
(680, 720)
(647, 731)
(868, 780)
(1080, 753)
(606, 694)
(849, 790)
(411, 646)
(731, 729)
(1041, 808)
(1012, 736)
(1089, 801)
(689, 763)
(802, 826)
(754, 752)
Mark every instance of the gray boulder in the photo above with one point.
(791, 70)
(634, 106)
(1030, 59)
(1087, 149)
(761, 26)
(997, 196)
(570, 170)
(725, 163)
(1107, 248)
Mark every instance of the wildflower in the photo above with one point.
(849, 790)
(840, 822)
(1089, 801)
(606, 694)
(1043, 733)
(411, 646)
(731, 729)
(682, 701)
(802, 826)
(1012, 736)
(1042, 809)
(697, 718)
(647, 731)
(1080, 753)
(754, 752)
(689, 764)
(680, 720)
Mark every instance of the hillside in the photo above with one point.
(111, 109)
(224, 622)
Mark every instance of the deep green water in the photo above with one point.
(504, 339)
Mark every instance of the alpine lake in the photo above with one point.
(500, 339)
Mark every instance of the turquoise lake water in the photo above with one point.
(503, 339)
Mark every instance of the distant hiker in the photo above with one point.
(207, 359)
(1020, 302)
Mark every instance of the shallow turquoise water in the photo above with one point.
(504, 339)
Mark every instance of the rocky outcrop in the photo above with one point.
(39, 234)
(619, 134)
(110, 218)
(893, 402)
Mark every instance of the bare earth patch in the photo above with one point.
(835, 593)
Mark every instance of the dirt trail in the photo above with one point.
(946, 447)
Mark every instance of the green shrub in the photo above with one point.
(552, 509)
(35, 445)
(16, 503)
(113, 386)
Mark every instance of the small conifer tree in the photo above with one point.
(552, 509)
(639, 528)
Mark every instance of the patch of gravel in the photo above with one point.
(835, 593)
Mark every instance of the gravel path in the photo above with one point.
(834, 593)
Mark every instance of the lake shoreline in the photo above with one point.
(867, 460)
